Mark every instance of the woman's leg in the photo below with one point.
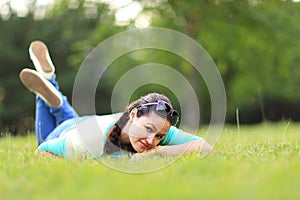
(44, 121)
(52, 107)
(47, 117)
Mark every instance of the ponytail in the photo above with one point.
(113, 143)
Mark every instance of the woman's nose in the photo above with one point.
(150, 139)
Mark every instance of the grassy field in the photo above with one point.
(252, 162)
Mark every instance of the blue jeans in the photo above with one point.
(48, 119)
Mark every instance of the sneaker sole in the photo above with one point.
(33, 82)
(40, 57)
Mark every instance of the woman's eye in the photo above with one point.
(159, 136)
(149, 129)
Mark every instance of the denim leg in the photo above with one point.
(44, 120)
(47, 118)
(63, 112)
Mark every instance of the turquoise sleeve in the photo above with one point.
(56, 146)
(177, 136)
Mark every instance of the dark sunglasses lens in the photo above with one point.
(163, 107)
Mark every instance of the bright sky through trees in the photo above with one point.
(126, 10)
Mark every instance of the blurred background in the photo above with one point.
(254, 43)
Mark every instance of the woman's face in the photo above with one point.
(147, 131)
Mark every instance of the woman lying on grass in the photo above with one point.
(147, 126)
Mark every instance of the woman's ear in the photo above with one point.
(133, 113)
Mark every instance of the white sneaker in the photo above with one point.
(36, 83)
(40, 57)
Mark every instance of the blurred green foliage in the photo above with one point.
(255, 45)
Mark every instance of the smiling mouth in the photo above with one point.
(145, 146)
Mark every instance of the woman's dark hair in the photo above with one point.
(113, 143)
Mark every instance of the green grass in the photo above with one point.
(255, 162)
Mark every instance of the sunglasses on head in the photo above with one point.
(165, 109)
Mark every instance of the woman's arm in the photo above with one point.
(176, 150)
(180, 142)
(183, 149)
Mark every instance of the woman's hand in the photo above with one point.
(150, 152)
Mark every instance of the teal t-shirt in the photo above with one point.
(176, 136)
